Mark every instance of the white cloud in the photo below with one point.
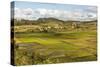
(92, 9)
(34, 14)
(23, 13)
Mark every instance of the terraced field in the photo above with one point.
(59, 47)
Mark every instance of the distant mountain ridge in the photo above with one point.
(55, 19)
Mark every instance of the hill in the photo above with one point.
(53, 25)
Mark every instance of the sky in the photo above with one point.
(36, 10)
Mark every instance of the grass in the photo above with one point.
(55, 47)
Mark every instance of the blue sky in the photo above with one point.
(34, 5)
(78, 11)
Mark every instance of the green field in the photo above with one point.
(49, 40)
(59, 47)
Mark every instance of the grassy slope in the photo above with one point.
(60, 47)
